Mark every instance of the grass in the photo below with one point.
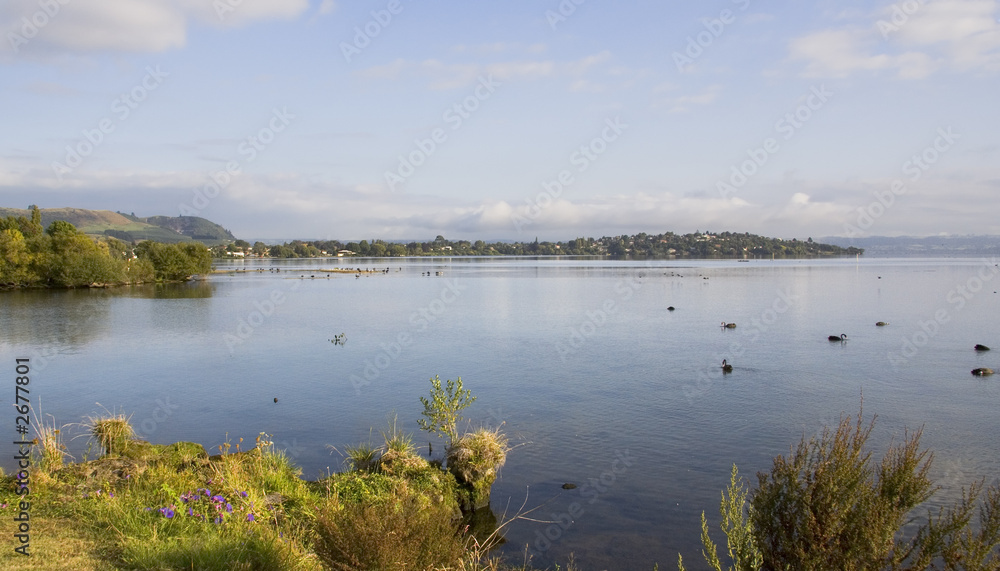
(475, 460)
(113, 433)
(173, 507)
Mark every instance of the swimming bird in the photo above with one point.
(881, 323)
(981, 347)
(275, 399)
(843, 337)
(729, 325)
(726, 368)
(982, 372)
(671, 308)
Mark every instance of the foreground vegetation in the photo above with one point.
(829, 506)
(147, 506)
(62, 256)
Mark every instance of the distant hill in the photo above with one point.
(130, 227)
(929, 246)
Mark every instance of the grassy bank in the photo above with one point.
(147, 506)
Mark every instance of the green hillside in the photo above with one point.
(131, 228)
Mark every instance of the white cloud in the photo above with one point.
(133, 26)
(442, 75)
(683, 103)
(961, 35)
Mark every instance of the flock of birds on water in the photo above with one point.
(842, 338)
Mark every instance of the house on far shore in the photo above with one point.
(235, 254)
(342, 253)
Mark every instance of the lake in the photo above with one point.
(596, 382)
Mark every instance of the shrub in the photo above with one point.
(401, 534)
(829, 506)
(442, 410)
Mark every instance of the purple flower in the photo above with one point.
(167, 513)
(218, 519)
(190, 512)
(250, 517)
(243, 494)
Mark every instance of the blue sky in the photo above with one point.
(405, 120)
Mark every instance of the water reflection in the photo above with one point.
(199, 289)
(64, 318)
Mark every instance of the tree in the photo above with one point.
(828, 506)
(176, 262)
(443, 408)
(259, 248)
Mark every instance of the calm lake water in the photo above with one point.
(596, 382)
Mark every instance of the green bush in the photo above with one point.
(830, 506)
(402, 534)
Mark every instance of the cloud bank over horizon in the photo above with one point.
(299, 119)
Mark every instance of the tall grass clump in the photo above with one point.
(363, 457)
(112, 432)
(475, 460)
(403, 533)
(50, 452)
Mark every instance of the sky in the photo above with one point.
(555, 119)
